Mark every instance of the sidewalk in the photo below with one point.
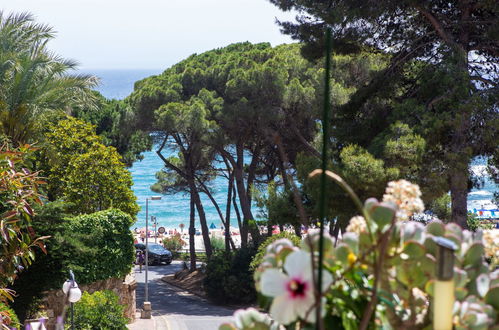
(142, 324)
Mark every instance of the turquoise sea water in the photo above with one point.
(173, 210)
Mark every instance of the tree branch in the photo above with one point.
(167, 163)
(436, 25)
(484, 80)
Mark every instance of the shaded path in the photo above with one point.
(176, 309)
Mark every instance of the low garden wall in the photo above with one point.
(125, 289)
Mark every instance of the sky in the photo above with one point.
(150, 34)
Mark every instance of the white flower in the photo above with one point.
(293, 291)
(280, 244)
(490, 241)
(406, 195)
(357, 225)
(248, 318)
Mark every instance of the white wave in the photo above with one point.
(479, 170)
(480, 193)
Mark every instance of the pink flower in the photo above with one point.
(293, 291)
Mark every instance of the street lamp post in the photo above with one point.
(147, 304)
(71, 290)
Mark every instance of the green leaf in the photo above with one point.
(370, 203)
(383, 214)
(456, 230)
(460, 278)
(461, 293)
(492, 297)
(342, 251)
(430, 245)
(352, 240)
(474, 255)
(436, 228)
(482, 284)
(429, 287)
(414, 250)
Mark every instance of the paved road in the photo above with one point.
(174, 309)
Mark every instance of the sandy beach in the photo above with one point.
(139, 237)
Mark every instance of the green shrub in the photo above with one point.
(474, 223)
(229, 279)
(200, 257)
(262, 249)
(100, 310)
(217, 243)
(96, 247)
(174, 243)
(108, 246)
(8, 317)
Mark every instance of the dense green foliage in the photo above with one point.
(100, 310)
(217, 243)
(253, 107)
(262, 249)
(229, 279)
(441, 207)
(108, 235)
(116, 124)
(84, 172)
(441, 80)
(264, 102)
(19, 194)
(8, 317)
(48, 270)
(37, 90)
(33, 80)
(95, 246)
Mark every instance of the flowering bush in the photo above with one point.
(381, 273)
(491, 244)
(174, 244)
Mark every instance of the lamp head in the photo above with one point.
(74, 294)
(66, 286)
(445, 258)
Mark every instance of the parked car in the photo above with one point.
(157, 253)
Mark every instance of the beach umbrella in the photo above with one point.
(212, 226)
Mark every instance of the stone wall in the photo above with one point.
(54, 300)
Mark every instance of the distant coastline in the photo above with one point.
(118, 83)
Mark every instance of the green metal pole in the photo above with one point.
(322, 201)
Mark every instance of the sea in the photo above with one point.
(173, 210)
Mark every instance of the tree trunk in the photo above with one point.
(202, 219)
(243, 198)
(238, 215)
(289, 183)
(459, 197)
(217, 207)
(251, 172)
(192, 240)
(460, 145)
(227, 213)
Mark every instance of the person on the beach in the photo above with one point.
(140, 259)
